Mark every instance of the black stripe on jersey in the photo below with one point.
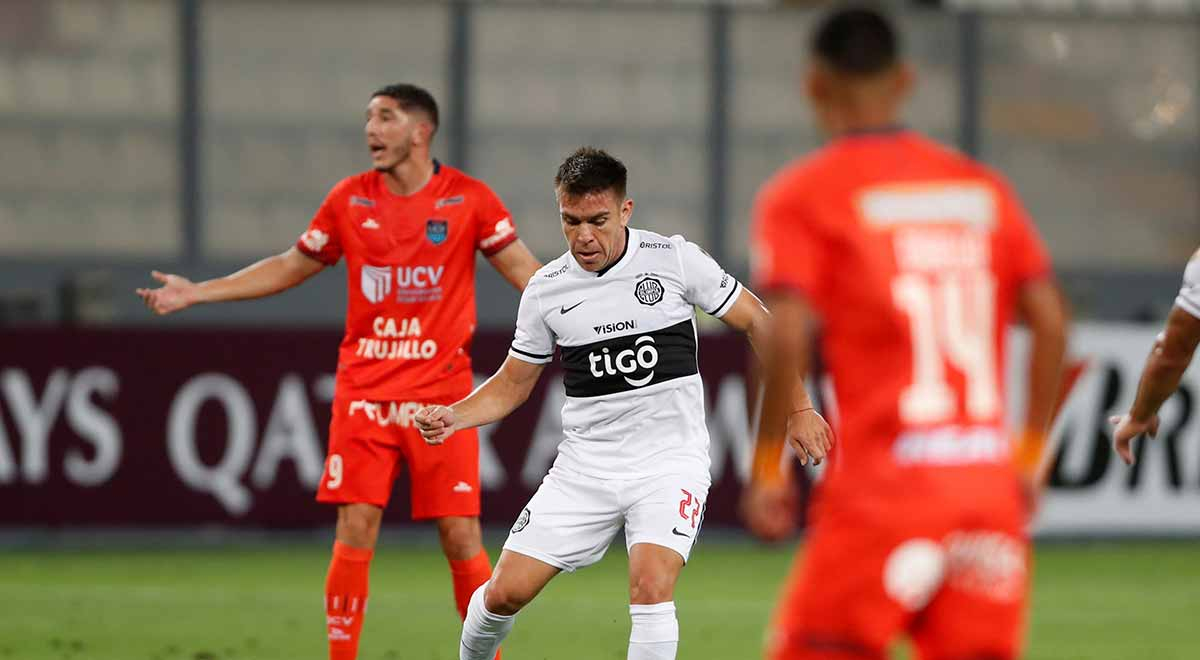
(630, 362)
(531, 355)
(724, 302)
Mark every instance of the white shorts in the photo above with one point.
(572, 518)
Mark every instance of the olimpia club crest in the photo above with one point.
(437, 230)
(522, 521)
(649, 291)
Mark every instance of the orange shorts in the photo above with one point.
(957, 587)
(368, 441)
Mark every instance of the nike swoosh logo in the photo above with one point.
(676, 532)
(564, 309)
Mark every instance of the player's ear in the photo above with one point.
(424, 132)
(626, 211)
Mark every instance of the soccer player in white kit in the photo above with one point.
(620, 306)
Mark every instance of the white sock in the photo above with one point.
(482, 631)
(655, 632)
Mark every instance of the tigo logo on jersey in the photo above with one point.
(649, 291)
(437, 230)
(627, 362)
(376, 283)
(631, 361)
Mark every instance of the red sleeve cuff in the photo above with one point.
(492, 249)
(306, 251)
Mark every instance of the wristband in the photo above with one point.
(1027, 455)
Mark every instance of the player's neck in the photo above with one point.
(410, 176)
(864, 122)
(619, 249)
(862, 113)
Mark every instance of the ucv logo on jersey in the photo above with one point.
(630, 362)
(376, 282)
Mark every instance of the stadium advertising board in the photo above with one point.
(187, 427)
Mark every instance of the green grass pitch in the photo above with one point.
(1115, 601)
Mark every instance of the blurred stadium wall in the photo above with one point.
(197, 135)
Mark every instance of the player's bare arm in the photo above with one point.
(508, 388)
(516, 264)
(1040, 305)
(806, 429)
(770, 502)
(1169, 358)
(264, 278)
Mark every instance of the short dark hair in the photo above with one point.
(591, 170)
(409, 97)
(857, 41)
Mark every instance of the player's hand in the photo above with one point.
(176, 293)
(1126, 430)
(436, 423)
(810, 436)
(770, 509)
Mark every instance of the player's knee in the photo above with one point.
(358, 525)
(505, 599)
(461, 538)
(650, 588)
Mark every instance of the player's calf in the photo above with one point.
(653, 572)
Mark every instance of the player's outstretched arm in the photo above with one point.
(1040, 305)
(1169, 358)
(516, 264)
(490, 402)
(264, 278)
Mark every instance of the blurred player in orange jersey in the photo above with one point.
(915, 260)
(409, 230)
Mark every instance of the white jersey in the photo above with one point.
(1189, 294)
(627, 337)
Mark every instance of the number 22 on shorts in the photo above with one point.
(690, 507)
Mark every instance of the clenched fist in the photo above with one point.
(436, 423)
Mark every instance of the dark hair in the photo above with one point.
(590, 170)
(409, 97)
(857, 41)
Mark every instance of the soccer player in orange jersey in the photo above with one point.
(409, 229)
(915, 260)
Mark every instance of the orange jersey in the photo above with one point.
(410, 263)
(912, 256)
